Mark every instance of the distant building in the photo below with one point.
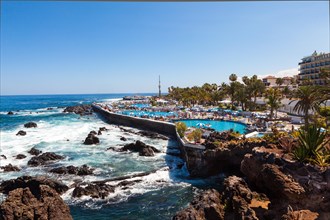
(269, 81)
(310, 66)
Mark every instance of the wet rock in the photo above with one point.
(153, 135)
(50, 109)
(99, 190)
(103, 129)
(206, 206)
(79, 109)
(91, 138)
(9, 168)
(80, 171)
(142, 148)
(44, 158)
(123, 139)
(34, 202)
(99, 133)
(10, 113)
(31, 182)
(30, 125)
(21, 133)
(34, 151)
(20, 156)
(3, 156)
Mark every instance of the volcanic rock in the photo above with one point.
(99, 190)
(30, 125)
(79, 109)
(34, 202)
(142, 148)
(80, 171)
(3, 156)
(20, 156)
(206, 206)
(237, 195)
(31, 182)
(44, 158)
(91, 139)
(10, 113)
(34, 151)
(123, 139)
(9, 168)
(21, 133)
(103, 129)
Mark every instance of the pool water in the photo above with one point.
(149, 114)
(216, 125)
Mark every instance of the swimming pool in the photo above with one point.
(216, 125)
(148, 114)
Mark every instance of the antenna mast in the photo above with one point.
(159, 92)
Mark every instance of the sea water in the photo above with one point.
(158, 195)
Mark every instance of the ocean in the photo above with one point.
(158, 195)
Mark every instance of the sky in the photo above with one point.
(111, 47)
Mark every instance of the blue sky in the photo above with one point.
(110, 47)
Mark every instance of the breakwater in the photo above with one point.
(161, 127)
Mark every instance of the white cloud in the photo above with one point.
(282, 73)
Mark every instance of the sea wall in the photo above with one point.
(193, 154)
(161, 127)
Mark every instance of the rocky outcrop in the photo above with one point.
(145, 133)
(21, 133)
(34, 151)
(3, 156)
(91, 138)
(206, 206)
(142, 148)
(34, 202)
(80, 171)
(44, 159)
(79, 109)
(20, 156)
(30, 125)
(225, 157)
(287, 182)
(10, 113)
(31, 182)
(123, 139)
(300, 214)
(238, 196)
(97, 190)
(10, 168)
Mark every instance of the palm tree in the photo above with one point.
(308, 100)
(273, 100)
(233, 77)
(279, 82)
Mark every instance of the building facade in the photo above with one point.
(310, 67)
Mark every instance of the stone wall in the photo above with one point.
(161, 127)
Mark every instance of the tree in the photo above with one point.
(273, 100)
(233, 77)
(308, 100)
(279, 81)
(181, 127)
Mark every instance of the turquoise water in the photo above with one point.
(158, 196)
(217, 125)
(149, 114)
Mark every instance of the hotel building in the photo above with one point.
(309, 67)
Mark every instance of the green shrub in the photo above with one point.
(196, 135)
(181, 128)
(312, 146)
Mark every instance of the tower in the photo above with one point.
(159, 92)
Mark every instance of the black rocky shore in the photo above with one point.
(262, 181)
